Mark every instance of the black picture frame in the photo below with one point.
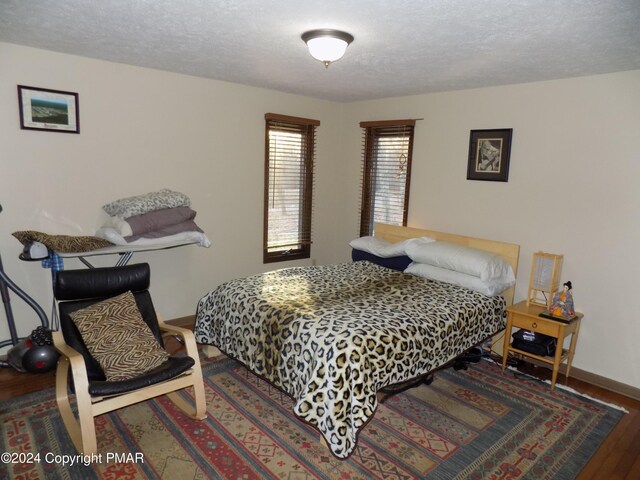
(489, 155)
(48, 110)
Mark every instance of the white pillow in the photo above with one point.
(384, 249)
(120, 225)
(484, 265)
(489, 287)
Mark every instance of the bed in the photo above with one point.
(333, 336)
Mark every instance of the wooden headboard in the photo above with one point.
(509, 251)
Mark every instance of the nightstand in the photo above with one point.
(526, 316)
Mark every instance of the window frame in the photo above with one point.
(307, 127)
(372, 132)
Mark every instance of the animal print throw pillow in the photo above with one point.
(118, 338)
(149, 202)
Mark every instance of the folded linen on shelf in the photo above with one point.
(148, 202)
(189, 236)
(151, 219)
(158, 223)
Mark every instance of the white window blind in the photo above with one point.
(386, 173)
(289, 161)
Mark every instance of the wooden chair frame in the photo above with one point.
(82, 429)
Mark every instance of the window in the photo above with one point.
(288, 182)
(386, 174)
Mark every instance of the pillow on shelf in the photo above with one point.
(384, 249)
(183, 237)
(118, 338)
(148, 202)
(62, 243)
(159, 219)
(186, 226)
(484, 265)
(487, 287)
(120, 225)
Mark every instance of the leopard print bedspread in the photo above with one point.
(332, 336)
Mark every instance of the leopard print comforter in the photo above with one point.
(332, 336)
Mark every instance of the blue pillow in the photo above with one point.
(395, 263)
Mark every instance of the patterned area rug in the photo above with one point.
(474, 424)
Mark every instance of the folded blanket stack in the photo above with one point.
(153, 218)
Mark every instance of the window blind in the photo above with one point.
(386, 173)
(289, 162)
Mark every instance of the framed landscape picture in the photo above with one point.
(49, 110)
(489, 152)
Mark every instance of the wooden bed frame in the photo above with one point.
(509, 251)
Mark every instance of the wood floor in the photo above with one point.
(617, 459)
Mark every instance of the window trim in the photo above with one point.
(366, 208)
(307, 198)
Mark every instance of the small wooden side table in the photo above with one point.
(527, 317)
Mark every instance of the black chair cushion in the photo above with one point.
(100, 283)
(173, 367)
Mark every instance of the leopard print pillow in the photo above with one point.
(118, 338)
(62, 243)
(149, 202)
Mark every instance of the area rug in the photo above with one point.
(474, 424)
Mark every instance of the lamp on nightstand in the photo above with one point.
(545, 278)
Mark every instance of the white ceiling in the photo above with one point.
(401, 47)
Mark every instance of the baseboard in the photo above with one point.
(603, 382)
(591, 379)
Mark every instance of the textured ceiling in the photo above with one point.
(401, 47)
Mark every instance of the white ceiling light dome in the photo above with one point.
(327, 45)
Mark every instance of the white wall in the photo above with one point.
(573, 189)
(572, 186)
(142, 130)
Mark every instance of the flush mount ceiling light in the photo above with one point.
(327, 45)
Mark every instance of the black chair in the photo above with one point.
(77, 289)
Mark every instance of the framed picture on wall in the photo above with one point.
(49, 110)
(489, 152)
